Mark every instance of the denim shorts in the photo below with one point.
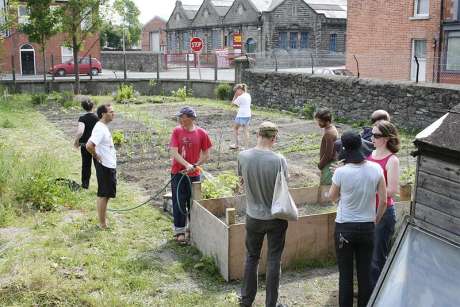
(242, 121)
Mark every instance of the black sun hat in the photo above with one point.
(352, 151)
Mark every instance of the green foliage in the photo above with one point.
(182, 93)
(118, 137)
(129, 14)
(224, 185)
(38, 186)
(7, 124)
(308, 110)
(207, 265)
(223, 91)
(125, 93)
(407, 175)
(38, 99)
(152, 83)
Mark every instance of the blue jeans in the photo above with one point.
(181, 205)
(383, 233)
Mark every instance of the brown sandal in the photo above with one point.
(180, 239)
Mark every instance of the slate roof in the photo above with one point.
(191, 10)
(442, 135)
(261, 5)
(330, 8)
(222, 6)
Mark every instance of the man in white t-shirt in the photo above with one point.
(100, 146)
(243, 100)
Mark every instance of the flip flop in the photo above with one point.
(180, 239)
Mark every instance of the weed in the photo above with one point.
(38, 99)
(223, 91)
(308, 110)
(182, 93)
(124, 94)
(7, 124)
(118, 137)
(224, 185)
(407, 175)
(313, 263)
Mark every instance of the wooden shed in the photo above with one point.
(424, 263)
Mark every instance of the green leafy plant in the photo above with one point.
(308, 110)
(407, 175)
(38, 99)
(7, 124)
(124, 94)
(223, 91)
(224, 185)
(118, 137)
(181, 93)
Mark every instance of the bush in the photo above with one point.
(118, 137)
(223, 91)
(38, 99)
(124, 94)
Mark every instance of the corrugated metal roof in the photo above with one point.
(261, 5)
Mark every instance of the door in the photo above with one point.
(27, 60)
(419, 51)
(155, 42)
(84, 66)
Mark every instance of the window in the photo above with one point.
(333, 42)
(453, 51)
(177, 16)
(282, 40)
(66, 54)
(206, 13)
(23, 14)
(215, 39)
(304, 40)
(293, 40)
(421, 7)
(186, 39)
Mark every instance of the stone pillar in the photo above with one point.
(242, 63)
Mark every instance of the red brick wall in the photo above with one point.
(12, 45)
(380, 34)
(156, 24)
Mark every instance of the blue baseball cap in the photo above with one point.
(186, 111)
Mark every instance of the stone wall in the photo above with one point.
(412, 106)
(200, 88)
(135, 60)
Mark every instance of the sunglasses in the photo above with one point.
(377, 135)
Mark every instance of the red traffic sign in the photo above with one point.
(196, 44)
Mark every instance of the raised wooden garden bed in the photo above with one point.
(309, 238)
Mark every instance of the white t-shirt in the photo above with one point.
(358, 187)
(105, 149)
(244, 103)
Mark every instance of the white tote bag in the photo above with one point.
(283, 206)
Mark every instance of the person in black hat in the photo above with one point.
(354, 186)
(189, 148)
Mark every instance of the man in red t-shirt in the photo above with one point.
(189, 147)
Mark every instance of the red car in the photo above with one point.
(67, 68)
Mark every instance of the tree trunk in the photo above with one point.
(76, 66)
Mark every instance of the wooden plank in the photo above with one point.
(304, 195)
(438, 202)
(437, 218)
(440, 168)
(210, 236)
(438, 185)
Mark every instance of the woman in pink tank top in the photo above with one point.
(385, 138)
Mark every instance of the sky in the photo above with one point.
(161, 8)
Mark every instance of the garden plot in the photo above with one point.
(311, 238)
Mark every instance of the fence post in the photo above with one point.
(215, 67)
(276, 63)
(125, 75)
(418, 66)
(312, 65)
(357, 64)
(158, 67)
(90, 68)
(188, 67)
(13, 70)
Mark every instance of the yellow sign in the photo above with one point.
(237, 38)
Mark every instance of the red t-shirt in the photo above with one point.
(383, 164)
(189, 145)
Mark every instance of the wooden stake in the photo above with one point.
(230, 216)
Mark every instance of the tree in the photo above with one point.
(111, 35)
(129, 13)
(42, 25)
(80, 18)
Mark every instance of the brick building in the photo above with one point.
(27, 56)
(264, 25)
(153, 37)
(386, 37)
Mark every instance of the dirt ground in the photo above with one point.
(143, 158)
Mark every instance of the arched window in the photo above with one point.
(251, 45)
